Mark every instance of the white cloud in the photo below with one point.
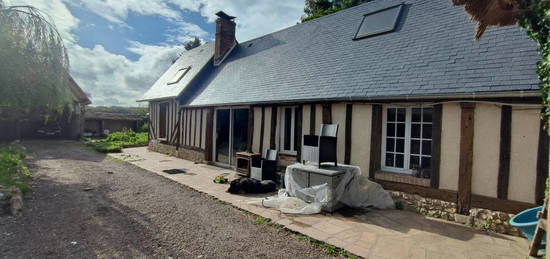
(113, 79)
(254, 18)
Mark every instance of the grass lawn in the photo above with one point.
(115, 142)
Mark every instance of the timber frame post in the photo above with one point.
(464, 198)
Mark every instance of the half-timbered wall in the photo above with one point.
(505, 144)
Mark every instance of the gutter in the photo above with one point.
(386, 99)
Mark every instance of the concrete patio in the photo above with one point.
(372, 234)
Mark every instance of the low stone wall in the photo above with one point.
(181, 152)
(482, 219)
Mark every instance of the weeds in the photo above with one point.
(13, 171)
(115, 142)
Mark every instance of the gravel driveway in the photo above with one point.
(85, 205)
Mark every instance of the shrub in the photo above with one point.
(144, 127)
(13, 171)
(115, 142)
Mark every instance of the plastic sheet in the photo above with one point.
(354, 190)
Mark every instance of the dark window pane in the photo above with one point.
(415, 131)
(389, 144)
(427, 131)
(427, 148)
(391, 114)
(390, 130)
(415, 162)
(401, 114)
(415, 146)
(288, 127)
(400, 145)
(389, 159)
(399, 160)
(427, 114)
(416, 114)
(426, 162)
(401, 130)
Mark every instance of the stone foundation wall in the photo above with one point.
(482, 219)
(181, 152)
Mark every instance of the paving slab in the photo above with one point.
(370, 233)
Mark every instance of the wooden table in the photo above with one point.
(244, 161)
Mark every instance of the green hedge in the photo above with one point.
(115, 142)
(13, 171)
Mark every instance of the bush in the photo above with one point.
(115, 142)
(13, 171)
(144, 127)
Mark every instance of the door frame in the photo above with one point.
(231, 130)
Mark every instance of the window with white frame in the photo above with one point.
(407, 138)
(286, 130)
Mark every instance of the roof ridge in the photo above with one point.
(319, 19)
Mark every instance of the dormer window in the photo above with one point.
(179, 75)
(378, 22)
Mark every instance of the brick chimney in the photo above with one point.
(225, 36)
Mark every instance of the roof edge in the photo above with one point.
(501, 94)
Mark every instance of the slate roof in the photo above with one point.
(197, 58)
(431, 54)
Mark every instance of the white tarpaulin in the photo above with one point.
(354, 190)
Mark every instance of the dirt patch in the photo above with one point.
(86, 205)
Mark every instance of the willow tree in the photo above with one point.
(533, 16)
(34, 79)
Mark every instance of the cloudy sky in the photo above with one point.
(118, 48)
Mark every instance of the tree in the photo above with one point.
(533, 16)
(318, 8)
(34, 79)
(192, 44)
(195, 42)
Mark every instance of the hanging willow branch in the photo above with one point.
(33, 64)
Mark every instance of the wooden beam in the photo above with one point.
(542, 164)
(375, 140)
(250, 129)
(209, 147)
(200, 129)
(327, 113)
(505, 151)
(195, 126)
(478, 201)
(436, 145)
(347, 144)
(262, 125)
(464, 198)
(298, 132)
(312, 116)
(273, 131)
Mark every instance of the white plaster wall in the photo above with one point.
(523, 157)
(339, 117)
(450, 146)
(486, 149)
(257, 124)
(361, 122)
(318, 118)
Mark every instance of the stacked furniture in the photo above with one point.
(264, 168)
(323, 148)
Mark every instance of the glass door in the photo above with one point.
(240, 133)
(231, 134)
(223, 123)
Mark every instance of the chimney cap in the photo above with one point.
(225, 16)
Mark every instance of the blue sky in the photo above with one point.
(118, 48)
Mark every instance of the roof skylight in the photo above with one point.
(179, 75)
(379, 22)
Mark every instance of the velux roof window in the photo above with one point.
(179, 75)
(378, 22)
